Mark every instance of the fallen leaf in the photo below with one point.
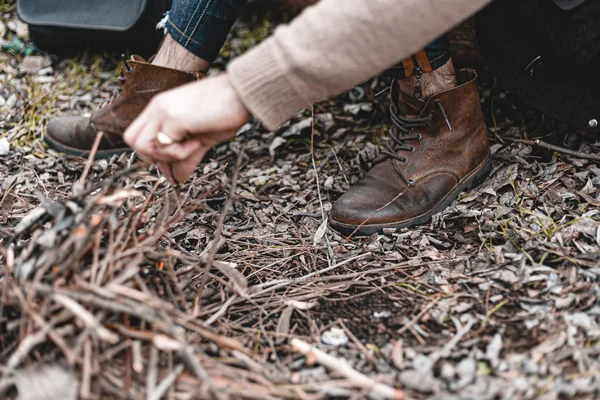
(46, 382)
(320, 233)
(32, 64)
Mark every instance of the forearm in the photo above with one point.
(335, 45)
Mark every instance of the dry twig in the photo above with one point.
(564, 150)
(342, 367)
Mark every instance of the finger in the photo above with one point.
(179, 151)
(133, 130)
(147, 145)
(183, 169)
(171, 122)
(145, 142)
(165, 169)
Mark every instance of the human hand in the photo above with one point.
(195, 116)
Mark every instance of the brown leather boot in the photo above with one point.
(141, 81)
(437, 149)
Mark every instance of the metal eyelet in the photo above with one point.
(411, 182)
(412, 149)
(419, 137)
(127, 66)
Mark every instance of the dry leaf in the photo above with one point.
(47, 382)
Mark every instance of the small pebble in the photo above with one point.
(521, 384)
(530, 367)
(420, 381)
(10, 103)
(19, 27)
(334, 337)
(422, 363)
(447, 371)
(382, 314)
(32, 64)
(466, 368)
(47, 71)
(4, 146)
(2, 101)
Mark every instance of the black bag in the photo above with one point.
(65, 27)
(547, 53)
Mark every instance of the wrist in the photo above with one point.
(238, 107)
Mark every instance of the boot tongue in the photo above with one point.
(405, 103)
(135, 57)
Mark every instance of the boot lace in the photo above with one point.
(402, 131)
(122, 78)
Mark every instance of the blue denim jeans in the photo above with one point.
(201, 26)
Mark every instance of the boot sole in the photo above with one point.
(73, 151)
(469, 182)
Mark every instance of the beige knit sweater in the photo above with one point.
(333, 46)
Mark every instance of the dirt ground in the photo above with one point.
(106, 290)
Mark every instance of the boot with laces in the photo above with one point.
(437, 149)
(141, 82)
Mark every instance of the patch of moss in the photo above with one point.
(41, 100)
(246, 37)
(7, 6)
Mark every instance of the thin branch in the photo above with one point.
(314, 165)
(574, 153)
(342, 367)
(78, 187)
(166, 383)
(418, 316)
(218, 232)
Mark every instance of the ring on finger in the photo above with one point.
(163, 139)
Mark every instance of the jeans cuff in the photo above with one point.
(190, 43)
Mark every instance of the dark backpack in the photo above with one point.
(548, 53)
(65, 27)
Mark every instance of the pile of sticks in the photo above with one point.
(95, 286)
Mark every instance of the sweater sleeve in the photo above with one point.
(335, 45)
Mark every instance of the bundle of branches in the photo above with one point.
(99, 301)
(85, 292)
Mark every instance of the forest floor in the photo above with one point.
(123, 286)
